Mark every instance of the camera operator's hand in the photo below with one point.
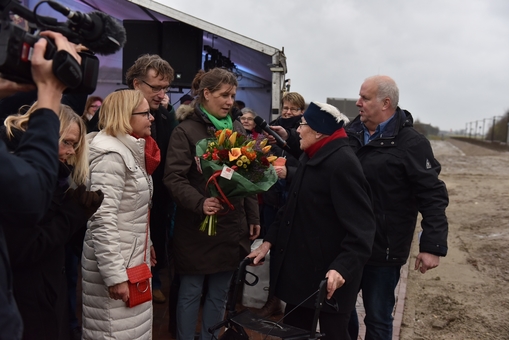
(49, 88)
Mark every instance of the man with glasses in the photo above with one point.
(152, 76)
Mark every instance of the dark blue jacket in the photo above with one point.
(27, 179)
(403, 175)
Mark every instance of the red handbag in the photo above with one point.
(139, 281)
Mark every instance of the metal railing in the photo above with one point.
(494, 129)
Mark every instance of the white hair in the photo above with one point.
(333, 111)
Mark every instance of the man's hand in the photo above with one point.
(153, 260)
(259, 253)
(165, 101)
(119, 291)
(426, 261)
(254, 231)
(334, 281)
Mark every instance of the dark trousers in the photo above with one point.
(377, 285)
(333, 325)
(71, 273)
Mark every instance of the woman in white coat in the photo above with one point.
(122, 157)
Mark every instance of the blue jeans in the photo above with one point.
(378, 285)
(188, 305)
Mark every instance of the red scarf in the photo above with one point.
(152, 154)
(310, 151)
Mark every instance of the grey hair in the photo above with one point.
(387, 88)
(248, 110)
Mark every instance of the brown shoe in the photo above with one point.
(158, 296)
(271, 307)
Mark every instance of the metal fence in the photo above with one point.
(494, 129)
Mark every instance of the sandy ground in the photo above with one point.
(467, 296)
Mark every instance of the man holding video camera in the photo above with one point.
(28, 176)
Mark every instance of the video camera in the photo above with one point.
(97, 31)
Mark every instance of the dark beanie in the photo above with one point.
(324, 118)
(185, 98)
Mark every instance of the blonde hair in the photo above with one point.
(67, 116)
(116, 111)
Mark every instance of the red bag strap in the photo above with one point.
(146, 238)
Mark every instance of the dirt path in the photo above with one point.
(467, 296)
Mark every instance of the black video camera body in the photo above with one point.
(16, 46)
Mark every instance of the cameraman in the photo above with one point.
(28, 176)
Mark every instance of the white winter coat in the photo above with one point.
(115, 237)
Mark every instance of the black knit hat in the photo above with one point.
(185, 98)
(324, 118)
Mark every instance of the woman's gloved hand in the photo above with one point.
(90, 201)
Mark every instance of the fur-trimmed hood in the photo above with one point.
(183, 112)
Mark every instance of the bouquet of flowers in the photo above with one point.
(234, 166)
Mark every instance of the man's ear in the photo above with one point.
(136, 84)
(386, 104)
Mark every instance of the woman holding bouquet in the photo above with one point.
(198, 255)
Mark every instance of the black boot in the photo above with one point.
(271, 307)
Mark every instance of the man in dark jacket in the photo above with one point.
(28, 175)
(152, 75)
(402, 171)
(325, 230)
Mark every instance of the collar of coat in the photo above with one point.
(132, 150)
(402, 119)
(324, 152)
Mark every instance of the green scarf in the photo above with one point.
(220, 124)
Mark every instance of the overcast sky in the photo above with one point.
(450, 58)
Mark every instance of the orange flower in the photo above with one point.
(271, 158)
(222, 137)
(233, 138)
(234, 154)
(251, 155)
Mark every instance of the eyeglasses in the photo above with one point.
(291, 109)
(95, 106)
(246, 119)
(157, 89)
(300, 124)
(69, 144)
(146, 113)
